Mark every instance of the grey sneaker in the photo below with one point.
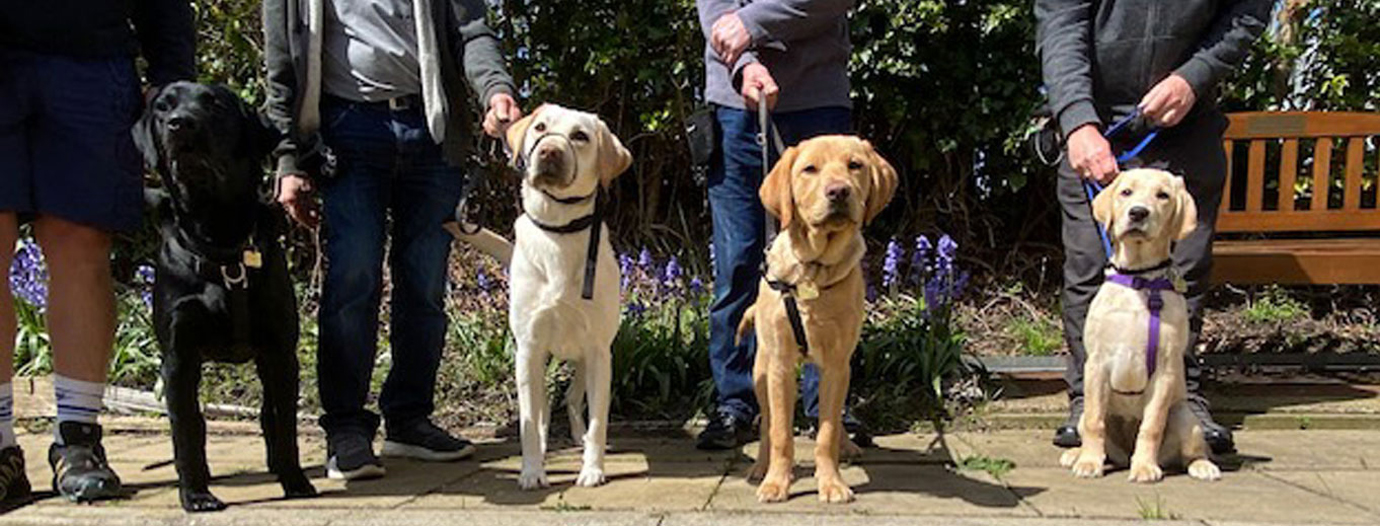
(351, 457)
(80, 470)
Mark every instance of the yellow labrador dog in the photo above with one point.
(1136, 333)
(810, 303)
(564, 280)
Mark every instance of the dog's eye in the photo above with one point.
(1163, 196)
(540, 127)
(854, 165)
(579, 136)
(161, 105)
(811, 169)
(1126, 193)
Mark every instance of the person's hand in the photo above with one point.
(1091, 155)
(294, 193)
(729, 38)
(503, 112)
(757, 82)
(1168, 102)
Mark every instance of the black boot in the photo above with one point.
(80, 470)
(1217, 435)
(725, 431)
(1067, 434)
(14, 483)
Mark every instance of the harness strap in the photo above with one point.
(787, 291)
(230, 274)
(1155, 301)
(594, 222)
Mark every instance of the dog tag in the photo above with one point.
(253, 258)
(1180, 285)
(806, 290)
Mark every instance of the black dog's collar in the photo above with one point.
(1133, 272)
(594, 222)
(230, 267)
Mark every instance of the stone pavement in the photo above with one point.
(1281, 477)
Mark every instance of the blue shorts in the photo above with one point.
(65, 144)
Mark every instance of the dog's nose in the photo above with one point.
(549, 154)
(1138, 213)
(179, 122)
(837, 192)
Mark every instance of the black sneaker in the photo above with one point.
(80, 470)
(725, 431)
(351, 457)
(422, 440)
(14, 482)
(1067, 434)
(1217, 436)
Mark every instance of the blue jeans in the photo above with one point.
(388, 164)
(739, 238)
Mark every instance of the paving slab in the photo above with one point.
(1358, 489)
(1241, 496)
(1310, 450)
(883, 489)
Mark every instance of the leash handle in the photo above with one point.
(1092, 188)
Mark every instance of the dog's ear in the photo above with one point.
(1102, 206)
(1186, 213)
(614, 159)
(776, 189)
(884, 182)
(146, 138)
(517, 133)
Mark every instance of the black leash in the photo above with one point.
(594, 222)
(788, 293)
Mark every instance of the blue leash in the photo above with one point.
(1093, 188)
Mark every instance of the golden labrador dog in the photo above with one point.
(822, 191)
(1135, 412)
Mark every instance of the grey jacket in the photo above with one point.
(803, 43)
(1100, 57)
(462, 38)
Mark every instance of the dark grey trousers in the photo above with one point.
(1192, 150)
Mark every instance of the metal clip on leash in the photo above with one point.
(1092, 188)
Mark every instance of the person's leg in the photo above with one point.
(795, 127)
(86, 185)
(16, 175)
(1196, 154)
(1084, 261)
(425, 193)
(738, 237)
(354, 205)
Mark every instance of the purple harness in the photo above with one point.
(1156, 304)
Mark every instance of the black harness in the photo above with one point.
(229, 268)
(594, 222)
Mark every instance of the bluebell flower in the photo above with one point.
(29, 275)
(696, 286)
(636, 308)
(481, 278)
(891, 265)
(644, 259)
(919, 261)
(144, 276)
(671, 276)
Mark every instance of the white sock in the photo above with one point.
(7, 416)
(77, 401)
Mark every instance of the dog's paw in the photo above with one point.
(834, 491)
(591, 477)
(297, 486)
(1145, 472)
(534, 479)
(774, 489)
(1089, 466)
(849, 451)
(1069, 457)
(1204, 469)
(758, 471)
(200, 501)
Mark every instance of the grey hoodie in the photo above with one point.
(803, 43)
(1101, 56)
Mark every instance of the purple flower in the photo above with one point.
(482, 279)
(144, 276)
(29, 275)
(671, 276)
(644, 259)
(625, 268)
(891, 265)
(636, 308)
(919, 261)
(696, 286)
(944, 258)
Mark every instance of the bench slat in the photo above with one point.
(1255, 177)
(1225, 207)
(1322, 168)
(1275, 125)
(1355, 162)
(1301, 221)
(1288, 174)
(1339, 261)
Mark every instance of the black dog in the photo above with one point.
(222, 291)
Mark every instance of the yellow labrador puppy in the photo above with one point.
(810, 303)
(1136, 333)
(564, 280)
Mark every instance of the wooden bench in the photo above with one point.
(1268, 232)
